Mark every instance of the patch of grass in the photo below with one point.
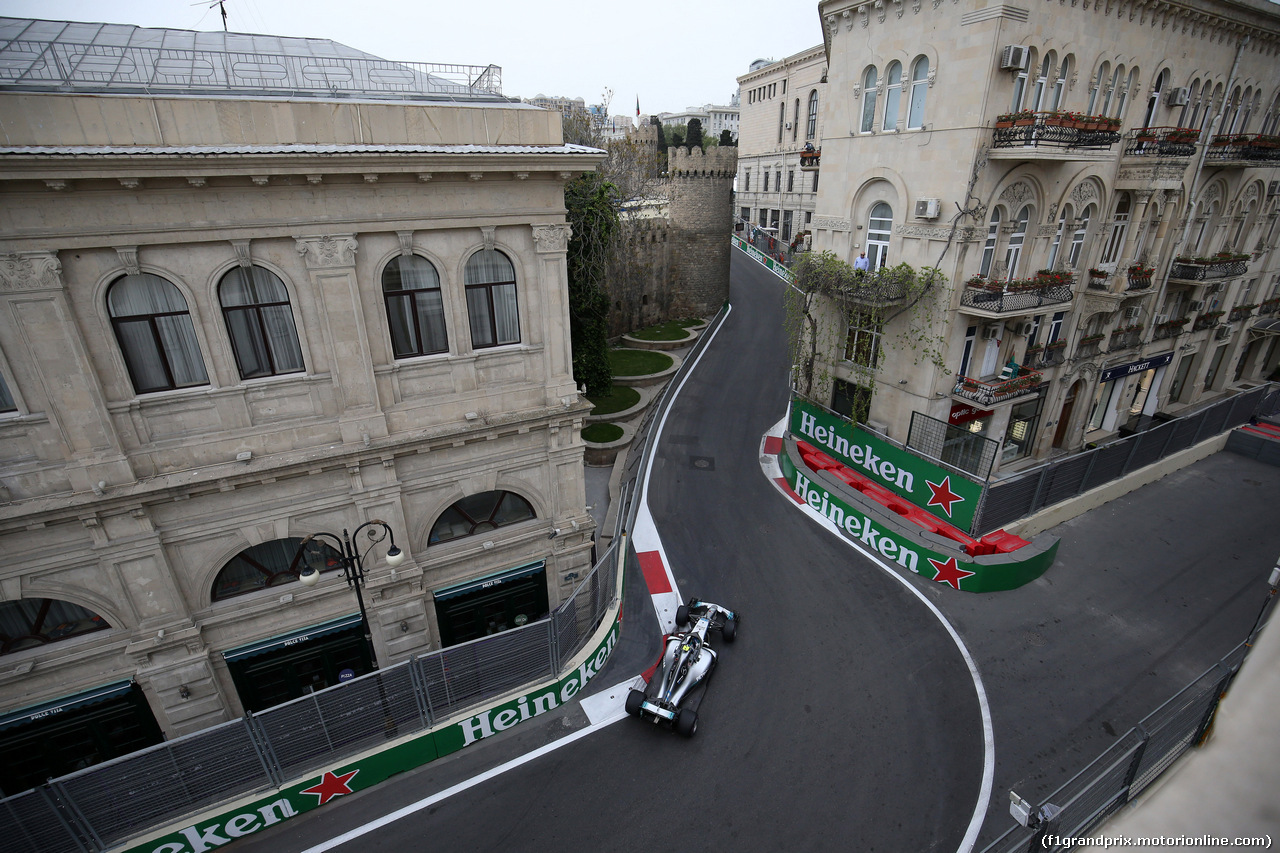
(672, 330)
(602, 433)
(619, 399)
(637, 362)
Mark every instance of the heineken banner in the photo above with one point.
(925, 484)
(778, 268)
(250, 817)
(980, 574)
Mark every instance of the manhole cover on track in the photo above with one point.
(703, 463)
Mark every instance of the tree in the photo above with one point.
(694, 135)
(726, 138)
(592, 204)
(676, 136)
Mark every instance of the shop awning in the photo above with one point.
(292, 638)
(489, 581)
(54, 707)
(1270, 327)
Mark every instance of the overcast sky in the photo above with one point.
(671, 54)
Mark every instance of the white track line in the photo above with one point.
(769, 465)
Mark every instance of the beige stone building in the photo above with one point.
(782, 106)
(239, 305)
(1163, 243)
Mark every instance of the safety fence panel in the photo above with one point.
(30, 822)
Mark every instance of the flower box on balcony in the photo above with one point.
(1091, 339)
(1056, 345)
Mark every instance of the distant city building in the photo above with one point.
(781, 134)
(565, 106)
(235, 312)
(714, 119)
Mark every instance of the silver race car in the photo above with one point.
(687, 663)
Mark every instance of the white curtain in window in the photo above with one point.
(431, 321)
(506, 313)
(489, 267)
(178, 337)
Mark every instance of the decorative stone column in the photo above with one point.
(551, 242)
(331, 267)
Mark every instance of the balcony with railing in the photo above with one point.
(1207, 320)
(1138, 277)
(1053, 135)
(1240, 312)
(1215, 268)
(988, 298)
(1125, 338)
(1169, 328)
(1269, 307)
(1046, 356)
(1243, 150)
(998, 390)
(1171, 143)
(810, 160)
(1089, 346)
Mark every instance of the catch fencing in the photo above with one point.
(86, 811)
(1007, 501)
(1112, 780)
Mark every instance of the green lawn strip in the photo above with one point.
(602, 433)
(672, 330)
(619, 399)
(635, 362)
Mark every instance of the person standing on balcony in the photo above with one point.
(860, 265)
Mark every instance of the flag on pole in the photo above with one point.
(637, 106)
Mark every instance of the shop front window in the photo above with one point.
(1020, 435)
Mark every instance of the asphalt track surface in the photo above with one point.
(844, 717)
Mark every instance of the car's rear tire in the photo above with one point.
(635, 699)
(686, 722)
(682, 615)
(729, 630)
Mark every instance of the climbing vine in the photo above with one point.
(858, 321)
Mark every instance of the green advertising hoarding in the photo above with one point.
(929, 486)
(256, 815)
(983, 574)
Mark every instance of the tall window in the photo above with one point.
(255, 305)
(811, 129)
(1112, 90)
(1042, 82)
(1119, 224)
(1129, 86)
(1013, 252)
(989, 248)
(491, 299)
(415, 309)
(30, 622)
(766, 181)
(1153, 100)
(1077, 239)
(879, 227)
(1060, 85)
(869, 99)
(795, 124)
(1187, 118)
(1058, 235)
(791, 180)
(746, 180)
(1020, 85)
(919, 89)
(479, 513)
(7, 403)
(155, 333)
(892, 95)
(1099, 85)
(862, 346)
(782, 119)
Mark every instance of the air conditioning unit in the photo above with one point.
(1222, 333)
(1195, 305)
(1014, 57)
(1161, 319)
(1178, 97)
(990, 333)
(1023, 329)
(1132, 313)
(927, 208)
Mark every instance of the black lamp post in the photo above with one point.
(352, 562)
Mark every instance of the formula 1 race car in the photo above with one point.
(687, 662)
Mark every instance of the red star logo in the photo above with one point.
(942, 495)
(949, 572)
(331, 785)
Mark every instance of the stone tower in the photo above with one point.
(700, 197)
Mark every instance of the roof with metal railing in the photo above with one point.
(66, 56)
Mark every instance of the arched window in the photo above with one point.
(869, 80)
(30, 622)
(1112, 90)
(155, 333)
(1232, 114)
(1119, 224)
(892, 95)
(1060, 85)
(919, 89)
(1247, 108)
(989, 248)
(811, 129)
(494, 313)
(1042, 83)
(273, 563)
(415, 310)
(479, 513)
(1061, 232)
(1128, 87)
(1187, 118)
(255, 306)
(1205, 223)
(1077, 239)
(1013, 252)
(1020, 83)
(1099, 85)
(879, 228)
(1271, 121)
(1154, 100)
(1211, 103)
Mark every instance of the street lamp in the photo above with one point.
(352, 562)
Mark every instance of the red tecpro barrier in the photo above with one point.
(997, 542)
(1265, 430)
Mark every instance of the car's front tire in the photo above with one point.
(729, 630)
(635, 700)
(682, 615)
(686, 722)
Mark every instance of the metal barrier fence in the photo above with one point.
(81, 812)
(1133, 762)
(1018, 497)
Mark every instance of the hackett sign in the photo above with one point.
(929, 486)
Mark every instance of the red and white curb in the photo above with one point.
(770, 447)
